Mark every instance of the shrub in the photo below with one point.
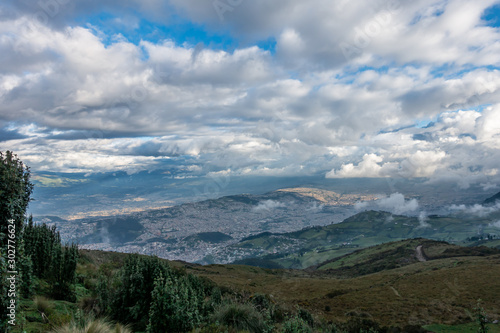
(240, 317)
(260, 301)
(481, 318)
(296, 325)
(306, 316)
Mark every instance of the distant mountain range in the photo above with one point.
(290, 228)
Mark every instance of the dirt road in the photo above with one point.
(420, 254)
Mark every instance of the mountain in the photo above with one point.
(492, 200)
(191, 230)
(311, 246)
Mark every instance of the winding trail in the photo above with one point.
(420, 254)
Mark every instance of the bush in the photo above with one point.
(260, 301)
(241, 317)
(296, 325)
(306, 316)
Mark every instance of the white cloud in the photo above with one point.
(368, 168)
(394, 203)
(397, 204)
(422, 220)
(268, 205)
(477, 210)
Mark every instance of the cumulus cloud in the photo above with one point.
(397, 204)
(394, 203)
(70, 92)
(416, 164)
(268, 205)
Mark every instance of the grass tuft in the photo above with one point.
(43, 305)
(92, 326)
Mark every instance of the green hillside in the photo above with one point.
(312, 246)
(397, 254)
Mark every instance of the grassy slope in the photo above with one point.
(311, 246)
(438, 291)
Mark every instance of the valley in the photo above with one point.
(168, 232)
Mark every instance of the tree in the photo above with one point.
(15, 195)
(15, 192)
(131, 298)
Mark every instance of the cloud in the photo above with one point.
(315, 207)
(416, 164)
(422, 220)
(301, 107)
(368, 168)
(268, 205)
(392, 30)
(476, 210)
(394, 203)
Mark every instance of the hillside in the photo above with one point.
(364, 286)
(438, 291)
(396, 255)
(311, 246)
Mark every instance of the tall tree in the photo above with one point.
(15, 195)
(15, 192)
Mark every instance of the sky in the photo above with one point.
(330, 88)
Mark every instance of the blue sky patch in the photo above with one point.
(492, 16)
(108, 26)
